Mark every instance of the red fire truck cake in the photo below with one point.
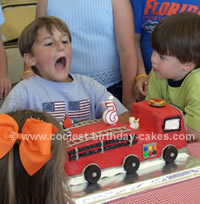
(155, 130)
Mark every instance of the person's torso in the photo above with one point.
(148, 13)
(59, 100)
(91, 23)
(180, 93)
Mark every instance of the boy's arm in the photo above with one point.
(195, 135)
(154, 87)
(192, 105)
(41, 8)
(124, 117)
(142, 81)
(124, 31)
(99, 95)
(192, 118)
(28, 72)
(15, 100)
(5, 82)
(102, 95)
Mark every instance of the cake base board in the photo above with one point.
(121, 185)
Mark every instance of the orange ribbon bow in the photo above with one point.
(35, 141)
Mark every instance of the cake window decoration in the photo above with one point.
(172, 124)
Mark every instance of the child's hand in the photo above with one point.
(27, 74)
(141, 88)
(5, 86)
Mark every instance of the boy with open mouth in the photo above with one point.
(45, 45)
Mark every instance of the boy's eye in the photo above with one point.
(162, 57)
(65, 41)
(48, 43)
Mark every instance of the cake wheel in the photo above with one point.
(170, 154)
(92, 174)
(132, 164)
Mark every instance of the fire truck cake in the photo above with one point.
(155, 130)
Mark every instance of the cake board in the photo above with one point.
(150, 175)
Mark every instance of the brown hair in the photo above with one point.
(44, 187)
(179, 36)
(30, 33)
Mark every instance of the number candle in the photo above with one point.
(110, 114)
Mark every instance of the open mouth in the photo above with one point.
(60, 63)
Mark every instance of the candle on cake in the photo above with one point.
(110, 114)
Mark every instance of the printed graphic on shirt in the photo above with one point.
(149, 26)
(56, 109)
(156, 10)
(167, 8)
(79, 110)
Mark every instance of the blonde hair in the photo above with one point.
(44, 187)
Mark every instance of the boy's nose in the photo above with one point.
(154, 58)
(60, 46)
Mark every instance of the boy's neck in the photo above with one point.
(69, 78)
(177, 83)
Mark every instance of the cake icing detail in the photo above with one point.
(66, 124)
(134, 124)
(157, 102)
(149, 150)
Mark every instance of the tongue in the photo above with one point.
(59, 66)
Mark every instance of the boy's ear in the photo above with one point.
(29, 59)
(189, 66)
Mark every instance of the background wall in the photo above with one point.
(17, 14)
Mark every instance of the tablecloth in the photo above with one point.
(185, 192)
